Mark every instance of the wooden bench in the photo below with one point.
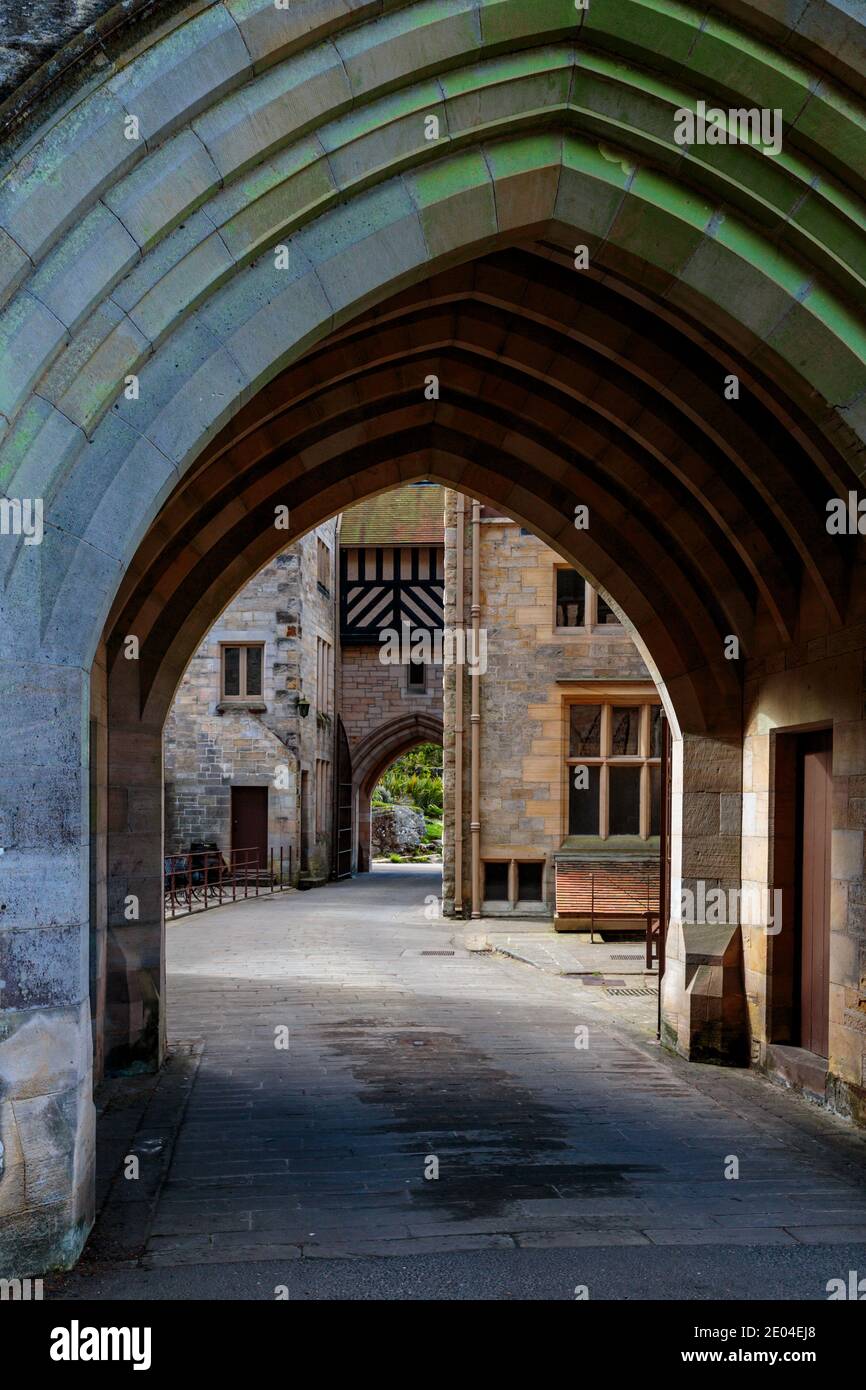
(608, 889)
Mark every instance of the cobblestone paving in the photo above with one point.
(397, 1057)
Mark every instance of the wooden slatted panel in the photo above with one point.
(622, 888)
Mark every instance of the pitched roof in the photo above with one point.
(412, 515)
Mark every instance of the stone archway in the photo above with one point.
(202, 234)
(371, 758)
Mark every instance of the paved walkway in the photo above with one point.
(409, 1054)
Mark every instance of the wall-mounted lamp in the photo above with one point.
(303, 706)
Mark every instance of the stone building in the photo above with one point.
(391, 582)
(361, 637)
(560, 685)
(244, 767)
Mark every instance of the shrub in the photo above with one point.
(412, 781)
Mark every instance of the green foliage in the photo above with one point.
(434, 830)
(412, 780)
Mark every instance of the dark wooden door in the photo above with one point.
(250, 822)
(816, 802)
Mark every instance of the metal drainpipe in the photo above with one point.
(458, 706)
(475, 717)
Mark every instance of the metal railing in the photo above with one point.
(202, 878)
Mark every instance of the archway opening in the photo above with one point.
(407, 805)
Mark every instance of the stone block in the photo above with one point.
(849, 748)
(32, 816)
(163, 189)
(79, 156)
(283, 105)
(302, 185)
(271, 34)
(43, 1052)
(204, 267)
(44, 961)
(57, 1142)
(417, 38)
(130, 478)
(14, 266)
(170, 82)
(83, 268)
(456, 202)
(358, 249)
(847, 854)
(30, 335)
(186, 394)
(91, 370)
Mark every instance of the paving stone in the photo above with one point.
(828, 1235)
(320, 1153)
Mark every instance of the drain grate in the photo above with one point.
(626, 955)
(437, 953)
(638, 993)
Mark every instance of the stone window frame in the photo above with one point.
(323, 565)
(324, 674)
(321, 778)
(514, 863)
(590, 608)
(244, 698)
(609, 697)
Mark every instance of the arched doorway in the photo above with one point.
(372, 756)
(240, 310)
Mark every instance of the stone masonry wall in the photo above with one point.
(522, 808)
(375, 695)
(210, 747)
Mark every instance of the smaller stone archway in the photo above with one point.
(370, 757)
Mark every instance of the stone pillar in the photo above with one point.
(135, 984)
(46, 1104)
(846, 1078)
(98, 856)
(703, 993)
(451, 831)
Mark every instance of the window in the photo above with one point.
(613, 766)
(242, 668)
(322, 766)
(323, 676)
(416, 676)
(530, 881)
(570, 599)
(514, 881)
(323, 565)
(496, 881)
(578, 605)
